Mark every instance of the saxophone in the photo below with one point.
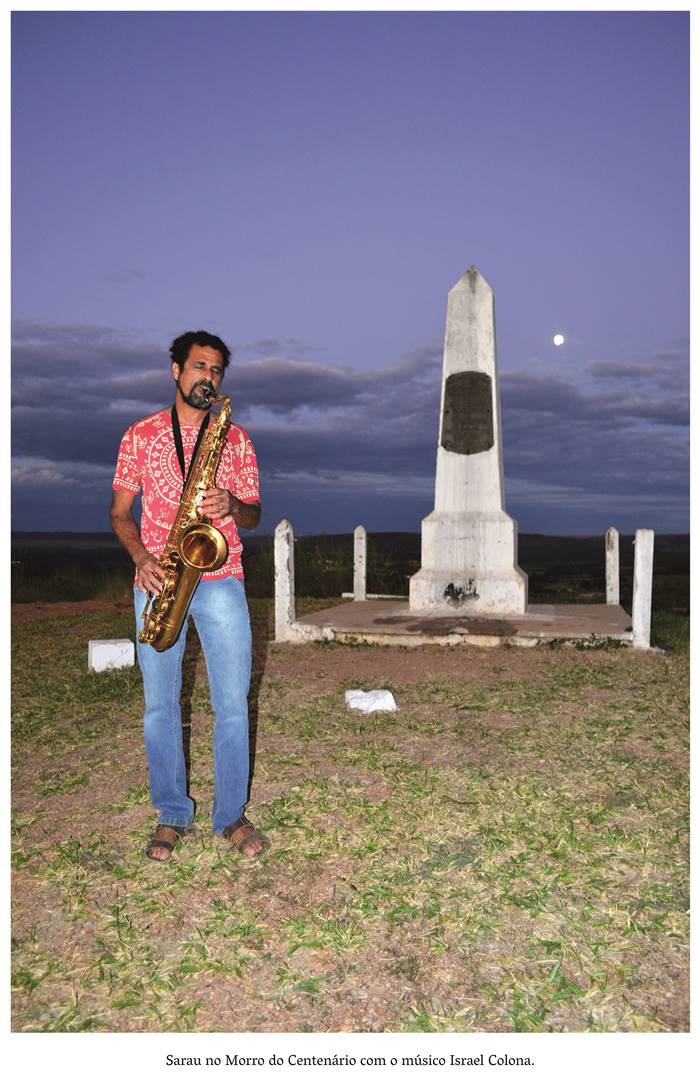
(193, 546)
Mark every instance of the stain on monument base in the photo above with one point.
(458, 594)
(445, 625)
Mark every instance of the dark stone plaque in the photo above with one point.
(467, 419)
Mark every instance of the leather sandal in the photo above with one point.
(167, 844)
(241, 833)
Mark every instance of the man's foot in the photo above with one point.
(161, 847)
(246, 838)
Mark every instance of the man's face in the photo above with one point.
(203, 368)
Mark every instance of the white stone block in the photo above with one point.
(374, 700)
(110, 654)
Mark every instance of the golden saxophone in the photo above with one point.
(193, 546)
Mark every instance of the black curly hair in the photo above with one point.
(180, 347)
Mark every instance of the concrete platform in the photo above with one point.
(379, 621)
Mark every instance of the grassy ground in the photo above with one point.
(506, 853)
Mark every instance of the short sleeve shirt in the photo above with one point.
(147, 461)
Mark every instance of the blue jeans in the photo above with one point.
(220, 613)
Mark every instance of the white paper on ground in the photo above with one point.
(374, 700)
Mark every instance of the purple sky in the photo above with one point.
(309, 186)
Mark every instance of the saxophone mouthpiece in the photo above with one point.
(219, 400)
(209, 392)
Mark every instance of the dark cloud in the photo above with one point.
(76, 392)
(669, 369)
(621, 370)
(79, 337)
(342, 433)
(596, 458)
(673, 410)
(289, 347)
(543, 395)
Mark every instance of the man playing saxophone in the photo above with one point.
(155, 456)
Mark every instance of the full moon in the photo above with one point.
(558, 340)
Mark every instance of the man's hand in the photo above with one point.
(149, 574)
(216, 503)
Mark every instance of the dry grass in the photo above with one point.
(507, 853)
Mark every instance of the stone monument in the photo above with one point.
(469, 543)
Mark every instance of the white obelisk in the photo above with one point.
(469, 544)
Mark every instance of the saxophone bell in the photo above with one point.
(203, 547)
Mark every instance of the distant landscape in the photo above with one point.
(49, 567)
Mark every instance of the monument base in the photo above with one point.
(389, 622)
(490, 582)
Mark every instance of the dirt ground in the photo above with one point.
(507, 852)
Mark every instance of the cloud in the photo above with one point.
(79, 337)
(544, 395)
(290, 347)
(26, 476)
(617, 429)
(56, 494)
(78, 390)
(621, 370)
(669, 369)
(34, 471)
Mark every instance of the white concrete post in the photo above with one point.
(641, 595)
(612, 567)
(285, 612)
(359, 585)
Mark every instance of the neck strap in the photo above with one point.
(178, 441)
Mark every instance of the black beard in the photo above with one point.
(200, 394)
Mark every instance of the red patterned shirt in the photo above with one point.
(148, 462)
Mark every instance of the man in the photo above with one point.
(154, 458)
